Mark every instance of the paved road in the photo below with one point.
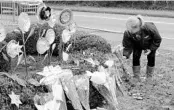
(116, 22)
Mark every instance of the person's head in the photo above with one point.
(134, 24)
(45, 13)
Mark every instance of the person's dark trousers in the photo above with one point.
(137, 56)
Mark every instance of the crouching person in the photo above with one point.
(141, 36)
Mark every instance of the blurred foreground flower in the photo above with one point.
(24, 22)
(52, 74)
(2, 33)
(42, 45)
(13, 49)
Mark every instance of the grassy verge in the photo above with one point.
(154, 13)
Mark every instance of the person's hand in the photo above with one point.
(125, 57)
(147, 51)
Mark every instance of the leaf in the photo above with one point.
(19, 80)
(15, 99)
(6, 74)
(33, 82)
(43, 32)
(20, 58)
(49, 80)
(5, 57)
(32, 58)
(90, 60)
(31, 33)
(67, 49)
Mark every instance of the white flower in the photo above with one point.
(66, 35)
(52, 74)
(65, 56)
(50, 36)
(13, 49)
(42, 45)
(24, 22)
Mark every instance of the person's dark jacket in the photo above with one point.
(149, 39)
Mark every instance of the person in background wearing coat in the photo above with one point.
(141, 37)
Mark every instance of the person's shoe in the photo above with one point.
(136, 77)
(149, 71)
(149, 74)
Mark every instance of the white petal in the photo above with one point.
(65, 56)
(24, 22)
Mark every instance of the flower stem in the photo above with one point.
(25, 56)
(3, 47)
(49, 57)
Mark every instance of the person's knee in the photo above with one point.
(151, 60)
(136, 60)
(152, 54)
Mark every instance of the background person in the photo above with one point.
(140, 36)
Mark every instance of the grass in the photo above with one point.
(155, 13)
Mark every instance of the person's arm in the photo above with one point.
(155, 36)
(127, 45)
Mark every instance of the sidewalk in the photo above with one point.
(154, 13)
